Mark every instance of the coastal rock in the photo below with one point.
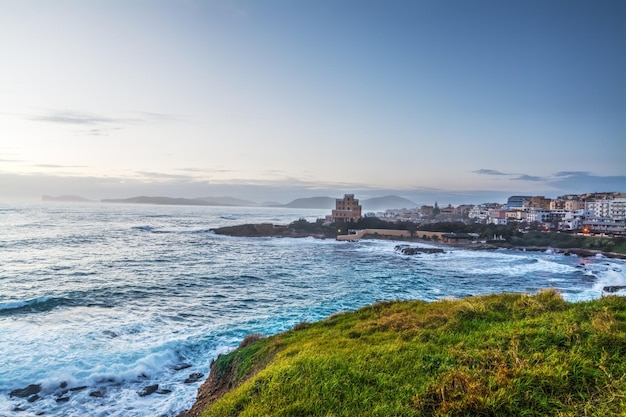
(163, 391)
(150, 389)
(266, 230)
(181, 366)
(33, 398)
(251, 230)
(97, 394)
(195, 377)
(216, 385)
(26, 392)
(63, 399)
(408, 250)
(614, 288)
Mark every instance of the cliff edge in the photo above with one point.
(506, 354)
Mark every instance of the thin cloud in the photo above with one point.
(164, 176)
(205, 170)
(99, 125)
(59, 166)
(513, 176)
(526, 177)
(77, 118)
(572, 174)
(581, 182)
(158, 117)
(484, 171)
(100, 131)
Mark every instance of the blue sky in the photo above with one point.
(281, 99)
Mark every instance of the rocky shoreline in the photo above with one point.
(64, 392)
(271, 230)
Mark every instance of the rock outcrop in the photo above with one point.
(408, 250)
(32, 389)
(263, 230)
(614, 288)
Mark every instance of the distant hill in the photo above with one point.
(388, 202)
(65, 198)
(271, 204)
(370, 204)
(324, 203)
(227, 201)
(312, 203)
(159, 200)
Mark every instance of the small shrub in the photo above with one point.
(302, 325)
(250, 339)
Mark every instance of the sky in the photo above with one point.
(280, 99)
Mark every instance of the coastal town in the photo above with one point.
(597, 213)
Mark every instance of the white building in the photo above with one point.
(610, 207)
(574, 220)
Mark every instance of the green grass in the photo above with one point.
(566, 240)
(496, 355)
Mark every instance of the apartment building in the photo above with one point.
(539, 202)
(610, 206)
(517, 201)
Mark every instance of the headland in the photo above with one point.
(549, 241)
(505, 354)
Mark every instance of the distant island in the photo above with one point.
(65, 198)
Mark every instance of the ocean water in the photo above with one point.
(100, 301)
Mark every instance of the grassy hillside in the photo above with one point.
(506, 354)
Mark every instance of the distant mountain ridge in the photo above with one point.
(376, 203)
(312, 203)
(321, 203)
(387, 202)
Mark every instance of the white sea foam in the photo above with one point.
(16, 304)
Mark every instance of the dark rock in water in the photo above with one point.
(63, 399)
(26, 392)
(181, 366)
(195, 377)
(150, 389)
(82, 387)
(18, 408)
(97, 394)
(62, 393)
(33, 398)
(614, 288)
(164, 391)
(407, 250)
(63, 385)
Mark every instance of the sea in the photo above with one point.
(100, 301)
